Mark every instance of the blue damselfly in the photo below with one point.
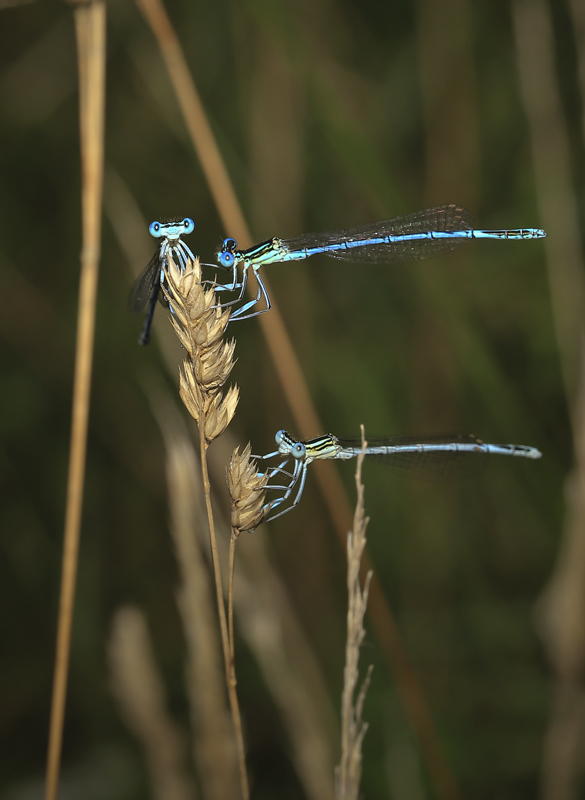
(412, 237)
(429, 456)
(146, 289)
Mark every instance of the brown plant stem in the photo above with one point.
(232, 561)
(90, 24)
(227, 653)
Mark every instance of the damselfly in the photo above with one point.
(146, 289)
(430, 456)
(410, 238)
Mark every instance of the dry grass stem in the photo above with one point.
(213, 741)
(140, 692)
(353, 729)
(200, 324)
(247, 491)
(90, 22)
(267, 620)
(269, 625)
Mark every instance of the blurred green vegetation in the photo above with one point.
(329, 114)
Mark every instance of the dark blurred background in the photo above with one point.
(328, 114)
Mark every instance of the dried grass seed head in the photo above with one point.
(247, 490)
(200, 324)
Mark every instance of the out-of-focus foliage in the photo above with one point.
(329, 114)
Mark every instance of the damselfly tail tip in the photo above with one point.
(525, 450)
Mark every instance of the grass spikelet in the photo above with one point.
(247, 491)
(200, 323)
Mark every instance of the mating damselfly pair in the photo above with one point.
(413, 237)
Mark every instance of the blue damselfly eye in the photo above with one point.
(155, 229)
(279, 436)
(189, 225)
(299, 450)
(226, 256)
(226, 259)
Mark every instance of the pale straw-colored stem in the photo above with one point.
(90, 22)
(230, 678)
(232, 562)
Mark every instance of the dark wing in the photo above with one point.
(143, 287)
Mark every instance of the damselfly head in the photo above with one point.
(172, 229)
(288, 446)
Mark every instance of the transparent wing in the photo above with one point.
(439, 466)
(443, 218)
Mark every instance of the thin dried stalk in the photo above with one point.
(90, 21)
(353, 729)
(248, 492)
(200, 324)
(140, 692)
(267, 620)
(213, 741)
